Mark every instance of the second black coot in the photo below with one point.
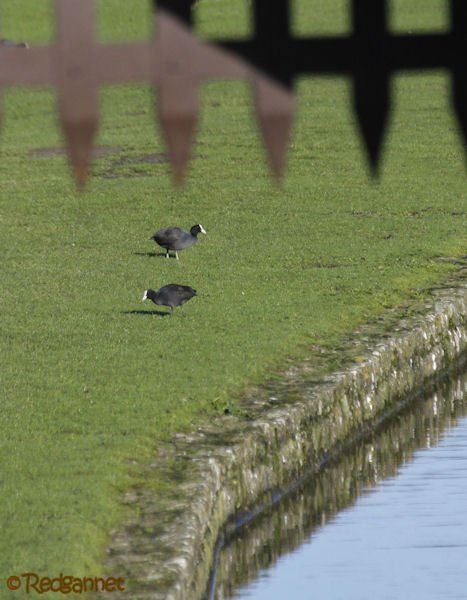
(172, 295)
(175, 238)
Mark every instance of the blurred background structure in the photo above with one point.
(177, 62)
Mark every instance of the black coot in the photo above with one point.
(170, 295)
(175, 238)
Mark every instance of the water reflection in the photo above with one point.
(404, 508)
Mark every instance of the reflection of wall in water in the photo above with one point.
(284, 527)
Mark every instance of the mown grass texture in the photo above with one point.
(90, 378)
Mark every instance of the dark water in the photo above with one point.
(388, 521)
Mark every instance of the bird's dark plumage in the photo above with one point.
(175, 238)
(172, 295)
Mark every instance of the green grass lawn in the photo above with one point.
(91, 379)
